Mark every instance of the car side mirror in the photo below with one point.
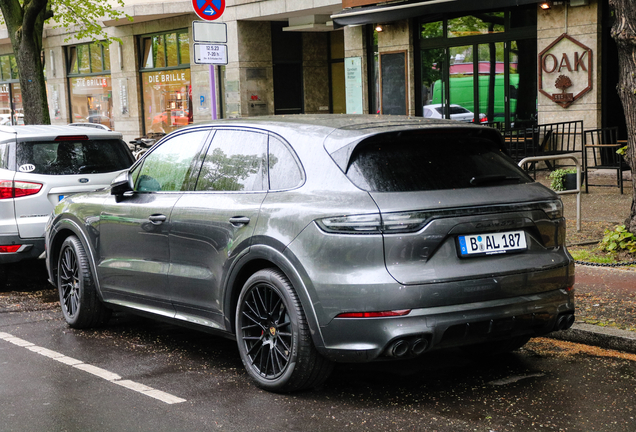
(122, 185)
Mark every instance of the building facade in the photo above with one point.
(506, 61)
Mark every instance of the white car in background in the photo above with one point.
(5, 119)
(39, 166)
(457, 112)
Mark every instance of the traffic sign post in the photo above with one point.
(210, 54)
(209, 10)
(209, 32)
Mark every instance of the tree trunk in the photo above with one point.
(25, 27)
(624, 33)
(32, 84)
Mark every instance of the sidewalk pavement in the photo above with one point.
(605, 296)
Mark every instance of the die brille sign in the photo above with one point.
(565, 70)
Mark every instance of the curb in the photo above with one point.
(603, 337)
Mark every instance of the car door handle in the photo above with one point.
(239, 220)
(157, 219)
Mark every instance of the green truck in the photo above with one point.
(461, 93)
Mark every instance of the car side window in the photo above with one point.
(284, 172)
(167, 166)
(235, 161)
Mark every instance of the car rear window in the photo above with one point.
(421, 162)
(73, 157)
(457, 110)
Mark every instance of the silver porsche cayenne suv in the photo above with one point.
(319, 239)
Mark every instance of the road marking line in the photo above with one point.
(102, 373)
(94, 370)
(18, 341)
(149, 391)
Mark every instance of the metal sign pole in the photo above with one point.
(212, 92)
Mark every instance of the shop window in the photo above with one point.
(432, 30)
(165, 76)
(5, 68)
(474, 25)
(90, 84)
(477, 67)
(184, 48)
(11, 110)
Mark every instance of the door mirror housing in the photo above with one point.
(121, 185)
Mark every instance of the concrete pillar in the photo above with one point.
(56, 82)
(127, 113)
(248, 81)
(316, 72)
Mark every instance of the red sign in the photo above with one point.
(208, 10)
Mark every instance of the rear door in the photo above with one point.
(213, 225)
(61, 168)
(134, 254)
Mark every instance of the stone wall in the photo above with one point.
(583, 24)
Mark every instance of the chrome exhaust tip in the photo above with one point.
(419, 346)
(398, 348)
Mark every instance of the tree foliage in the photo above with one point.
(84, 17)
(25, 21)
(624, 33)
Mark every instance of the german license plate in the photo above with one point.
(493, 243)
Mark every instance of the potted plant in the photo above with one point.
(563, 179)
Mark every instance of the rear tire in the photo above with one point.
(273, 336)
(78, 296)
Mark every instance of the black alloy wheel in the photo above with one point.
(69, 282)
(266, 331)
(273, 336)
(80, 303)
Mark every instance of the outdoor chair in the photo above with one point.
(600, 153)
(559, 139)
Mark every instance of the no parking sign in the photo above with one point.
(208, 10)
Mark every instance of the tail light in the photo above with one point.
(10, 248)
(11, 189)
(374, 223)
(413, 221)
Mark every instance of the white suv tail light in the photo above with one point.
(11, 189)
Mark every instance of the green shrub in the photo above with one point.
(618, 240)
(558, 178)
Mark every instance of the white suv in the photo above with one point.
(39, 166)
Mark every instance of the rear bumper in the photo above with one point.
(362, 340)
(32, 248)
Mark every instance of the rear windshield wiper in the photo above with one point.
(491, 178)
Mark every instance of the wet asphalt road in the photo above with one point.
(549, 385)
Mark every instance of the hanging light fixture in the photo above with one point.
(545, 5)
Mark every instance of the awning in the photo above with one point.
(414, 8)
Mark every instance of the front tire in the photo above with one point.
(78, 296)
(273, 336)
